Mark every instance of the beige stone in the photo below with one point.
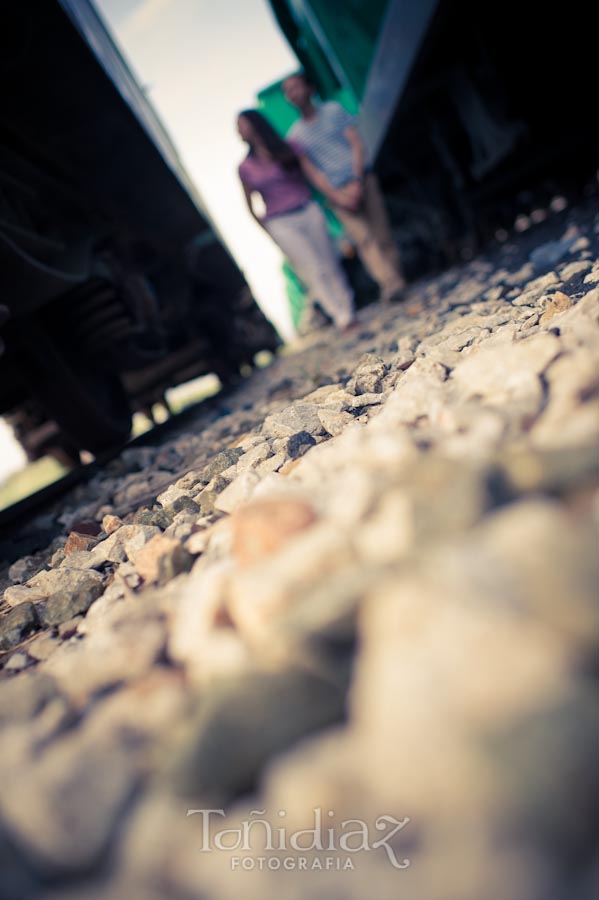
(263, 526)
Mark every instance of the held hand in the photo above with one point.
(349, 196)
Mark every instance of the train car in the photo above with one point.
(472, 114)
(114, 284)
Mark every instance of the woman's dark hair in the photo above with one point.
(274, 143)
(301, 73)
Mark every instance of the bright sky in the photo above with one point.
(200, 62)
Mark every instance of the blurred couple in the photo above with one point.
(323, 150)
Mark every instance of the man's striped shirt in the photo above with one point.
(324, 143)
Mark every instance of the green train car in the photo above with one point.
(471, 113)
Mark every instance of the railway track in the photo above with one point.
(380, 546)
(14, 519)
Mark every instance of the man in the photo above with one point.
(333, 160)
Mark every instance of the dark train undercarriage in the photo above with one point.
(114, 283)
(493, 122)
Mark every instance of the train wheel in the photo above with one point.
(89, 405)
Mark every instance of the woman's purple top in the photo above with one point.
(281, 190)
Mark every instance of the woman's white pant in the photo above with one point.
(305, 241)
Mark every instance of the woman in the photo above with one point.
(292, 218)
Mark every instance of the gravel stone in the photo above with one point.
(263, 526)
(547, 255)
(16, 625)
(111, 524)
(161, 559)
(23, 569)
(182, 503)
(17, 662)
(254, 456)
(334, 423)
(159, 518)
(223, 460)
(558, 303)
(64, 605)
(236, 493)
(206, 501)
(171, 495)
(79, 542)
(23, 699)
(83, 782)
(43, 646)
(299, 443)
(62, 581)
(124, 543)
(292, 420)
(571, 270)
(368, 376)
(233, 737)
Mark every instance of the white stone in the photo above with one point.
(253, 457)
(237, 492)
(574, 268)
(172, 493)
